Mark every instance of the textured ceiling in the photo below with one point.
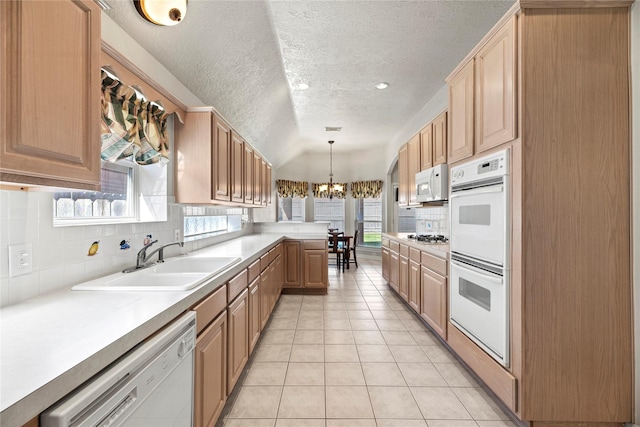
(245, 58)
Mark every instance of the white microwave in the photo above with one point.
(432, 185)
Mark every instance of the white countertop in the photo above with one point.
(51, 344)
(437, 249)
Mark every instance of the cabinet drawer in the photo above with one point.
(385, 242)
(315, 244)
(278, 249)
(434, 263)
(414, 254)
(264, 261)
(236, 285)
(207, 309)
(254, 270)
(404, 250)
(394, 246)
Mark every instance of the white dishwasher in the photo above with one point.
(152, 385)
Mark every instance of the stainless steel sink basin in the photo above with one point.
(180, 274)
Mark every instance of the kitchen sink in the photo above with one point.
(179, 274)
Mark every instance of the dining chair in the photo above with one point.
(351, 256)
(337, 247)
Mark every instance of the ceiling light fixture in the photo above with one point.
(382, 85)
(331, 187)
(162, 12)
(302, 86)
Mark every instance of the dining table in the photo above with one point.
(344, 243)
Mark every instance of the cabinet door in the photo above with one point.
(279, 271)
(403, 177)
(193, 140)
(238, 344)
(434, 301)
(210, 392)
(495, 89)
(264, 182)
(414, 285)
(255, 321)
(268, 185)
(265, 298)
(426, 147)
(440, 139)
(316, 268)
(273, 297)
(394, 270)
(413, 160)
(50, 86)
(221, 160)
(385, 263)
(292, 267)
(248, 174)
(237, 170)
(461, 99)
(403, 278)
(257, 179)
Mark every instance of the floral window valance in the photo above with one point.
(131, 126)
(287, 188)
(321, 190)
(366, 189)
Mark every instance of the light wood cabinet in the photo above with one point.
(269, 186)
(495, 96)
(292, 264)
(386, 259)
(426, 147)
(237, 169)
(238, 344)
(210, 392)
(265, 297)
(279, 271)
(255, 320)
(461, 118)
(403, 176)
(394, 270)
(403, 278)
(50, 127)
(413, 296)
(440, 139)
(433, 295)
(413, 160)
(257, 179)
(221, 155)
(248, 174)
(264, 182)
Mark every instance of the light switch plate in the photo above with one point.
(20, 259)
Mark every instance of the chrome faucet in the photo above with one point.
(142, 257)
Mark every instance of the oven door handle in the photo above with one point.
(477, 272)
(474, 191)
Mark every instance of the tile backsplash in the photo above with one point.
(433, 220)
(60, 255)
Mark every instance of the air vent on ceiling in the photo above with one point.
(332, 129)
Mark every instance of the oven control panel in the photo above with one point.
(492, 166)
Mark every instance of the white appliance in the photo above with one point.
(150, 386)
(479, 239)
(432, 185)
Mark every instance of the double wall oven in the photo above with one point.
(479, 287)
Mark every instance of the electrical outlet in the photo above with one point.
(20, 259)
(176, 234)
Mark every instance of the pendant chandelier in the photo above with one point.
(162, 12)
(331, 188)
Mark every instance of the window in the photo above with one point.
(114, 201)
(201, 222)
(369, 222)
(291, 209)
(331, 210)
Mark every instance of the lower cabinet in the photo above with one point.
(210, 392)
(394, 270)
(255, 321)
(385, 263)
(265, 297)
(403, 278)
(238, 340)
(434, 301)
(316, 268)
(414, 284)
(292, 265)
(306, 264)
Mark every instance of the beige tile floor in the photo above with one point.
(356, 357)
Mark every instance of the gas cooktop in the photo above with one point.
(428, 238)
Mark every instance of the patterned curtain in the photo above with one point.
(131, 126)
(366, 189)
(287, 188)
(318, 193)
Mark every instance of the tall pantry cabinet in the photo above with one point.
(551, 82)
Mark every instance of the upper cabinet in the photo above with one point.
(50, 85)
(440, 139)
(413, 164)
(482, 97)
(426, 147)
(213, 164)
(403, 177)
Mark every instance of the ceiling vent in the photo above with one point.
(332, 129)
